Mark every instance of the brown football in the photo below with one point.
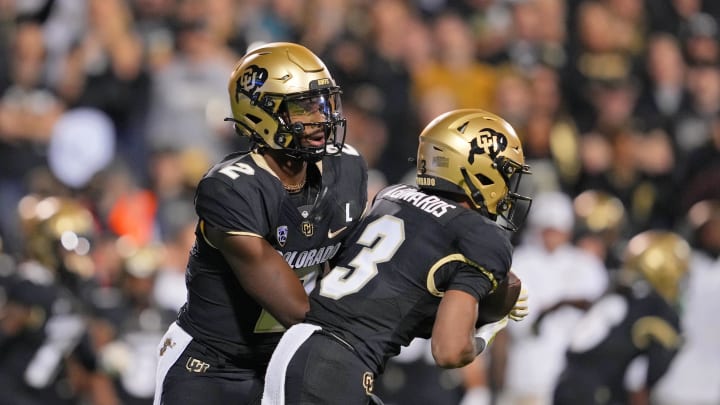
(500, 302)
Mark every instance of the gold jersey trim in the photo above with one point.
(235, 233)
(652, 327)
(430, 282)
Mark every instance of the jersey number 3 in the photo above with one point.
(381, 239)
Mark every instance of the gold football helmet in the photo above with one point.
(58, 233)
(661, 258)
(474, 153)
(599, 212)
(276, 82)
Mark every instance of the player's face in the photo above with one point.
(314, 113)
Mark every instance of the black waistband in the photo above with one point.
(223, 361)
(338, 339)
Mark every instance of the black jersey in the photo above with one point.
(33, 359)
(388, 281)
(617, 329)
(241, 195)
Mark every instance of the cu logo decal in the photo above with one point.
(368, 382)
(251, 80)
(488, 142)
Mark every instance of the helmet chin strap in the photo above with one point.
(475, 194)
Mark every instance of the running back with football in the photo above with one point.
(427, 261)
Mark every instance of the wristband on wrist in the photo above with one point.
(480, 344)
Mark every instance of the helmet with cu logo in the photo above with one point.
(475, 153)
(279, 80)
(660, 257)
(59, 232)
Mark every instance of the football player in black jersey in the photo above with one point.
(47, 353)
(417, 266)
(636, 320)
(269, 220)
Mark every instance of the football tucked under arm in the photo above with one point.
(502, 302)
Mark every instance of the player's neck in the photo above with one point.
(289, 170)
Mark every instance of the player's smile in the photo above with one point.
(314, 137)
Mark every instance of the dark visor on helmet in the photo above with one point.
(305, 112)
(310, 105)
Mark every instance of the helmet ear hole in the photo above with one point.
(484, 180)
(475, 194)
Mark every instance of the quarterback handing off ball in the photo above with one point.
(498, 304)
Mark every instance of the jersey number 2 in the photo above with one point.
(381, 239)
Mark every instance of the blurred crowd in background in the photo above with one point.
(111, 111)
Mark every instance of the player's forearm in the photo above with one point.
(291, 315)
(278, 291)
(453, 336)
(292, 311)
(456, 355)
(267, 278)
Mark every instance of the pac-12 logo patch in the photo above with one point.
(282, 235)
(251, 80)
